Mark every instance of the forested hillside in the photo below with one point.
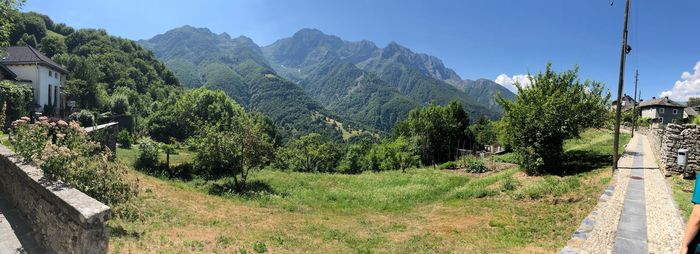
(103, 69)
(236, 66)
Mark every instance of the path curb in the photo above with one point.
(588, 224)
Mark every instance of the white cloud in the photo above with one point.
(509, 82)
(688, 86)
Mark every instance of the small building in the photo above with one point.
(45, 76)
(627, 103)
(662, 110)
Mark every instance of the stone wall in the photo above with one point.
(62, 219)
(666, 141)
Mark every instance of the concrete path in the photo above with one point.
(636, 214)
(14, 234)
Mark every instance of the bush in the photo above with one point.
(509, 184)
(17, 98)
(28, 139)
(448, 165)
(86, 118)
(148, 159)
(124, 139)
(259, 247)
(475, 165)
(119, 104)
(401, 153)
(69, 155)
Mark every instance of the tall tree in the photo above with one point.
(693, 101)
(8, 11)
(440, 131)
(555, 107)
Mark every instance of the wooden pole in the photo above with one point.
(620, 85)
(634, 107)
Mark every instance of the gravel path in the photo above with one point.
(598, 232)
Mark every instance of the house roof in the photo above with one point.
(28, 55)
(626, 98)
(663, 101)
(7, 73)
(690, 111)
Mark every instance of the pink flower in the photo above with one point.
(62, 123)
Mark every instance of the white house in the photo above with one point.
(45, 75)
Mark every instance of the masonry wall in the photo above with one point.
(666, 141)
(62, 219)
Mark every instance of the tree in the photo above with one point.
(439, 131)
(8, 12)
(693, 101)
(29, 24)
(188, 113)
(555, 107)
(352, 162)
(483, 132)
(312, 152)
(53, 44)
(27, 40)
(232, 153)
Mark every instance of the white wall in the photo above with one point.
(39, 75)
(649, 112)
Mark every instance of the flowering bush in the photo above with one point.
(28, 139)
(65, 152)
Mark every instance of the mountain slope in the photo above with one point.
(237, 66)
(418, 79)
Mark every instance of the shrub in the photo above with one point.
(84, 117)
(259, 247)
(448, 165)
(509, 184)
(124, 139)
(401, 153)
(28, 139)
(69, 155)
(119, 104)
(148, 159)
(17, 98)
(475, 165)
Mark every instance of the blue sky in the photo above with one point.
(478, 39)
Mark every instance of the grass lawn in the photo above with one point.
(420, 211)
(682, 193)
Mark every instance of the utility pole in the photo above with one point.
(623, 55)
(634, 107)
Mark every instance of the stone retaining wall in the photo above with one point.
(666, 141)
(62, 219)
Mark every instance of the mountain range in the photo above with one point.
(319, 82)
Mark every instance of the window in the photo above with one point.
(50, 73)
(55, 74)
(661, 110)
(661, 120)
(50, 96)
(675, 111)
